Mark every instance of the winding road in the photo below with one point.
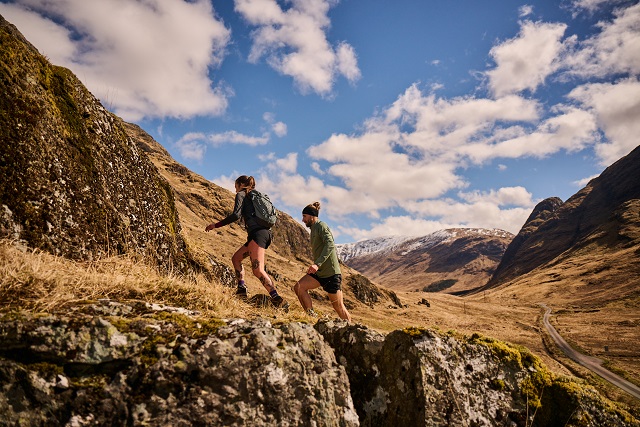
(589, 362)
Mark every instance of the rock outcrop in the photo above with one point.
(418, 377)
(72, 181)
(111, 363)
(118, 364)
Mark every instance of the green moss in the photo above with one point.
(519, 356)
(95, 382)
(46, 368)
(497, 384)
(149, 353)
(415, 332)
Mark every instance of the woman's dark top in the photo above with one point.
(243, 210)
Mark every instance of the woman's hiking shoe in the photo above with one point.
(242, 293)
(311, 312)
(279, 302)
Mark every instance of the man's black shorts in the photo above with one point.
(330, 284)
(261, 236)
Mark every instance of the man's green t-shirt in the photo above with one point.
(324, 250)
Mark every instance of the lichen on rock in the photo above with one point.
(72, 181)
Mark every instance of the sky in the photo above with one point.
(402, 117)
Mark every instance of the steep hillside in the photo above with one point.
(71, 181)
(451, 261)
(588, 246)
(582, 259)
(77, 181)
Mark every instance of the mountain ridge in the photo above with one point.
(451, 260)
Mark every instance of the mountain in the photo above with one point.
(588, 246)
(452, 260)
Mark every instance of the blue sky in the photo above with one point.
(401, 117)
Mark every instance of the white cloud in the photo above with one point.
(525, 61)
(193, 145)
(295, 44)
(572, 130)
(617, 108)
(233, 137)
(317, 168)
(280, 129)
(593, 5)
(50, 38)
(482, 212)
(396, 226)
(584, 181)
(285, 165)
(191, 149)
(150, 59)
(613, 50)
(506, 196)
(525, 10)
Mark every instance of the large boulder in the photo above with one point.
(418, 377)
(72, 182)
(119, 364)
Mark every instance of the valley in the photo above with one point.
(95, 211)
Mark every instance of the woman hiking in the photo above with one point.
(258, 240)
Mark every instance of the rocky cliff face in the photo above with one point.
(452, 261)
(72, 181)
(132, 364)
(601, 220)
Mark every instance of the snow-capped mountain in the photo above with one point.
(454, 259)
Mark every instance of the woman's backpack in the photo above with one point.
(265, 213)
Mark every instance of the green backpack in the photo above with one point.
(265, 213)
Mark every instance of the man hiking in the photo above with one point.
(325, 270)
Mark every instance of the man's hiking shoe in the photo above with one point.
(242, 293)
(311, 312)
(279, 302)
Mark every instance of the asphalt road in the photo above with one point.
(589, 362)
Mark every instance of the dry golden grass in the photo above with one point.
(36, 280)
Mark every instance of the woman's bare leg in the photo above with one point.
(257, 266)
(236, 260)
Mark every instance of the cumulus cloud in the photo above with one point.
(295, 44)
(617, 108)
(614, 50)
(593, 5)
(515, 196)
(278, 128)
(193, 145)
(150, 59)
(525, 10)
(524, 62)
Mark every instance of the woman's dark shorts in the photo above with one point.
(330, 284)
(261, 236)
